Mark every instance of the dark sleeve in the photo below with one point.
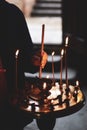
(24, 42)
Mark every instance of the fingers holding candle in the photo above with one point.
(38, 61)
(44, 59)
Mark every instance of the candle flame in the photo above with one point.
(53, 53)
(77, 83)
(52, 101)
(44, 86)
(62, 52)
(17, 52)
(66, 42)
(47, 76)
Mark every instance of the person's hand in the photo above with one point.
(39, 59)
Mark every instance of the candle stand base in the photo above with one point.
(46, 123)
(46, 110)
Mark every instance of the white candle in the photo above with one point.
(61, 66)
(42, 49)
(16, 76)
(66, 45)
(53, 66)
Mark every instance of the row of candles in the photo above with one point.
(53, 53)
(63, 51)
(61, 65)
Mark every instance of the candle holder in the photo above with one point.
(66, 101)
(60, 100)
(45, 92)
(75, 95)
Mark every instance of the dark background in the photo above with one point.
(75, 26)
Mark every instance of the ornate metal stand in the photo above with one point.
(47, 103)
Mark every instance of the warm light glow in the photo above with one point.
(44, 85)
(77, 83)
(47, 76)
(66, 42)
(52, 101)
(53, 53)
(17, 52)
(62, 52)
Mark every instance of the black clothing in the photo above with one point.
(14, 35)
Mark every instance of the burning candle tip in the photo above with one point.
(62, 52)
(67, 40)
(17, 52)
(53, 53)
(77, 83)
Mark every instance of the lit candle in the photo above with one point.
(42, 49)
(62, 53)
(77, 86)
(16, 56)
(44, 85)
(53, 66)
(77, 83)
(66, 45)
(47, 76)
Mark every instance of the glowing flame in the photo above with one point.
(17, 52)
(62, 52)
(44, 86)
(53, 53)
(52, 101)
(77, 83)
(66, 42)
(47, 76)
